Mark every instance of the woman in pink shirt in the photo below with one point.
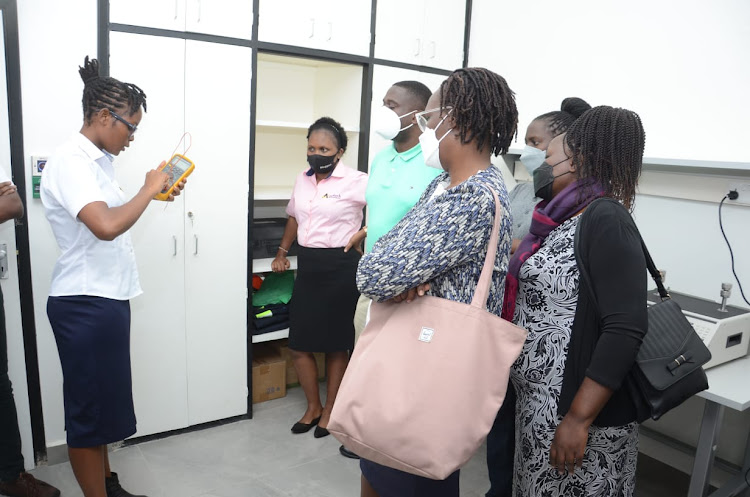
(325, 214)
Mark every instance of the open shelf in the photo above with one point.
(274, 335)
(273, 192)
(264, 265)
(291, 125)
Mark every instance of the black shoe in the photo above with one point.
(114, 489)
(321, 432)
(348, 453)
(28, 486)
(304, 427)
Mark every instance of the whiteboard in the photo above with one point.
(682, 65)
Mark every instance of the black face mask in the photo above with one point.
(322, 164)
(544, 178)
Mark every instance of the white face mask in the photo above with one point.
(387, 123)
(431, 147)
(532, 158)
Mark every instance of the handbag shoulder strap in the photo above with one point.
(655, 274)
(483, 285)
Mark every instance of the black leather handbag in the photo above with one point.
(668, 368)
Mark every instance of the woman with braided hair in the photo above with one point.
(96, 275)
(440, 245)
(576, 429)
(539, 133)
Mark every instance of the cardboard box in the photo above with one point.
(291, 373)
(269, 374)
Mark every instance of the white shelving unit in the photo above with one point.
(292, 93)
(274, 335)
(264, 266)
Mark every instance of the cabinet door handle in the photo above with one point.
(196, 245)
(312, 27)
(434, 49)
(417, 46)
(176, 6)
(174, 245)
(199, 10)
(330, 31)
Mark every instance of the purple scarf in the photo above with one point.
(547, 216)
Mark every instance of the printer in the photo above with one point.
(725, 329)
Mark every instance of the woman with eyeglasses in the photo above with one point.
(96, 275)
(440, 245)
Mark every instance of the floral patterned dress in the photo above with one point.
(545, 306)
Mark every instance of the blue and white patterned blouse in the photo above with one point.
(443, 241)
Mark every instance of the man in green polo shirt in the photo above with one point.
(398, 175)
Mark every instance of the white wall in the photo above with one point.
(684, 239)
(54, 39)
(679, 63)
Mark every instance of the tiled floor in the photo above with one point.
(260, 458)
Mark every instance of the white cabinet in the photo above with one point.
(422, 32)
(189, 328)
(334, 25)
(231, 18)
(217, 114)
(158, 347)
(161, 14)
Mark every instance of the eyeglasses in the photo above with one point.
(422, 120)
(132, 127)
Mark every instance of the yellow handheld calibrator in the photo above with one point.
(178, 168)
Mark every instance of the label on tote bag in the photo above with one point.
(426, 334)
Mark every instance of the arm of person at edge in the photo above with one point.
(427, 242)
(107, 223)
(11, 206)
(621, 293)
(280, 263)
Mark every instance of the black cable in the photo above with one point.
(731, 254)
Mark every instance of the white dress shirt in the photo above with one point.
(3, 175)
(78, 174)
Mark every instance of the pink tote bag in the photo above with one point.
(426, 380)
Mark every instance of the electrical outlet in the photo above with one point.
(743, 189)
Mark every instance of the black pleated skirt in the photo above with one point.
(321, 312)
(93, 340)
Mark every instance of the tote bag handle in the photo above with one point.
(482, 291)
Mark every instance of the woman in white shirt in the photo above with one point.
(96, 275)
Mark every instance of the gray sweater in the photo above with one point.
(522, 202)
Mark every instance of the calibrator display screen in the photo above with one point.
(176, 167)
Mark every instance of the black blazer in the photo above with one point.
(605, 340)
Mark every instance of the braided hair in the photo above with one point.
(107, 93)
(484, 108)
(333, 127)
(606, 144)
(558, 121)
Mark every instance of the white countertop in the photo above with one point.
(729, 384)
